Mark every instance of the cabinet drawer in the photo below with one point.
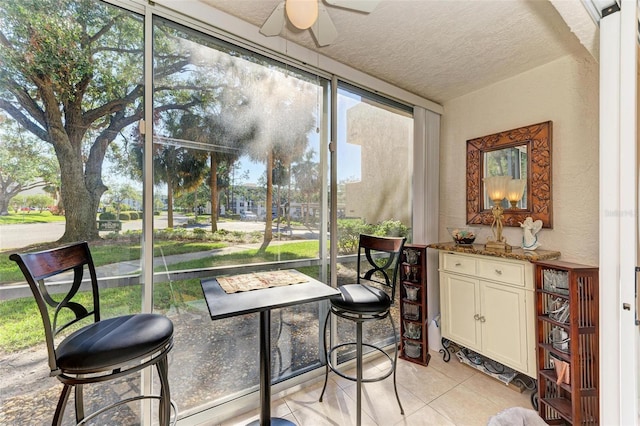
(460, 264)
(507, 272)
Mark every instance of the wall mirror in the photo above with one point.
(523, 153)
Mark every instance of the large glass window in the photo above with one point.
(374, 185)
(237, 175)
(71, 94)
(240, 182)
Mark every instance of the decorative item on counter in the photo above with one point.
(530, 228)
(496, 187)
(463, 235)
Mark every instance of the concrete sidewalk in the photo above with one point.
(132, 268)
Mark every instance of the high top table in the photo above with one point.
(223, 305)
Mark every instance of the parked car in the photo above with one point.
(248, 216)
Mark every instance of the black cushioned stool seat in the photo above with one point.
(361, 298)
(113, 341)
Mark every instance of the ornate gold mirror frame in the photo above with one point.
(537, 139)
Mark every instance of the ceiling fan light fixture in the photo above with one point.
(302, 13)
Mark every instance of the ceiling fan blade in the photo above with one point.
(366, 6)
(323, 29)
(275, 22)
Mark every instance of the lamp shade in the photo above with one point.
(302, 13)
(515, 189)
(496, 187)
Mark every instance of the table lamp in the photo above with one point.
(496, 187)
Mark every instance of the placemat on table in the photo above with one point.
(258, 280)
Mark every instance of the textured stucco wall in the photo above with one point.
(384, 138)
(564, 91)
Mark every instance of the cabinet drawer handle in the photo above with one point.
(476, 317)
(499, 271)
(482, 319)
(458, 264)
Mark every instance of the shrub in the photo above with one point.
(391, 228)
(134, 215)
(349, 231)
(107, 216)
(200, 233)
(124, 216)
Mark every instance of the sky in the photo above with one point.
(348, 154)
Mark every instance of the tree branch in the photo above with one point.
(23, 120)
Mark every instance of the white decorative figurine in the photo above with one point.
(530, 229)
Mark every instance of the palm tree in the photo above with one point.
(284, 108)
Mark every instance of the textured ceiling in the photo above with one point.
(437, 49)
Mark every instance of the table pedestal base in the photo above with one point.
(275, 421)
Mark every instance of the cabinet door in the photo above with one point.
(504, 326)
(459, 303)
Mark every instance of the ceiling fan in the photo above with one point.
(312, 14)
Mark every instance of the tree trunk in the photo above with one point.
(288, 210)
(268, 234)
(213, 185)
(81, 203)
(196, 209)
(4, 203)
(169, 204)
(81, 185)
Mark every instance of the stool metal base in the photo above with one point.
(274, 421)
(359, 344)
(354, 378)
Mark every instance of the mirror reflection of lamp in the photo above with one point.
(515, 189)
(496, 187)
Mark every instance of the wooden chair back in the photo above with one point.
(382, 256)
(39, 267)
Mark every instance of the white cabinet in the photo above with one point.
(487, 305)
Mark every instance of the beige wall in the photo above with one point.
(564, 91)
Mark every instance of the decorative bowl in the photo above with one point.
(463, 235)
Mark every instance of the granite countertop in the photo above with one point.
(516, 253)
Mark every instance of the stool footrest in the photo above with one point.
(352, 378)
(126, 401)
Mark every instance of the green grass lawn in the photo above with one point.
(20, 324)
(108, 253)
(33, 216)
(289, 251)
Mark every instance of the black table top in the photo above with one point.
(223, 305)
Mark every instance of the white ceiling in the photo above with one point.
(442, 49)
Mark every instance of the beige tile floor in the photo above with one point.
(441, 394)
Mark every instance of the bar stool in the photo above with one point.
(102, 350)
(367, 301)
